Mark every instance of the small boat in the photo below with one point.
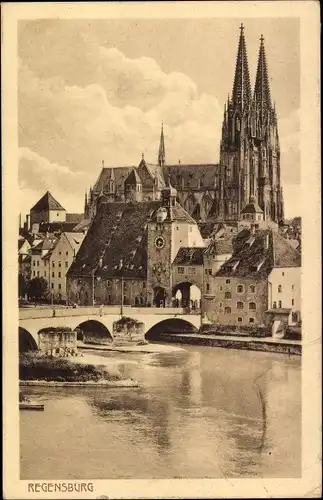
(30, 406)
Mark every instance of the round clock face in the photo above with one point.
(159, 242)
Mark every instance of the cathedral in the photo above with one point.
(249, 167)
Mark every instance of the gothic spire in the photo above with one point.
(262, 91)
(161, 152)
(241, 94)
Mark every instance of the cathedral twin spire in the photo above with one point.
(241, 94)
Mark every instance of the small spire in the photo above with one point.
(161, 151)
(102, 163)
(142, 156)
(179, 162)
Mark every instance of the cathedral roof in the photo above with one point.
(133, 178)
(256, 254)
(119, 173)
(199, 176)
(47, 202)
(189, 256)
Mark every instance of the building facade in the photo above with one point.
(249, 160)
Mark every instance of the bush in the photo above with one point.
(39, 367)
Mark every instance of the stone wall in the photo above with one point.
(57, 342)
(128, 332)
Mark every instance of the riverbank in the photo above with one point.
(99, 383)
(147, 348)
(266, 344)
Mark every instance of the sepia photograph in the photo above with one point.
(160, 224)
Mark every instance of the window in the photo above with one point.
(181, 270)
(208, 287)
(53, 275)
(59, 286)
(52, 285)
(227, 281)
(252, 306)
(280, 304)
(239, 305)
(283, 274)
(275, 305)
(66, 254)
(252, 288)
(191, 270)
(37, 263)
(59, 275)
(292, 302)
(221, 288)
(66, 264)
(280, 288)
(109, 299)
(59, 253)
(227, 295)
(221, 304)
(59, 264)
(125, 286)
(293, 287)
(44, 274)
(206, 272)
(108, 283)
(251, 320)
(53, 264)
(240, 320)
(57, 214)
(34, 263)
(239, 288)
(34, 273)
(227, 310)
(144, 285)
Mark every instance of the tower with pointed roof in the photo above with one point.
(249, 148)
(161, 151)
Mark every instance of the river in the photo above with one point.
(200, 413)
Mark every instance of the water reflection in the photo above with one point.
(201, 413)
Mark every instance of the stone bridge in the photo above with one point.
(31, 320)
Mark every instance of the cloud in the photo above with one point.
(37, 175)
(80, 102)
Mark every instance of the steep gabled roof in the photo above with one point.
(47, 202)
(199, 176)
(119, 173)
(133, 178)
(252, 257)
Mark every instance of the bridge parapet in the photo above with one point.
(64, 312)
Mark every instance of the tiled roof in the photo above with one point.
(221, 246)
(178, 214)
(192, 176)
(117, 235)
(47, 202)
(76, 218)
(51, 227)
(189, 256)
(251, 258)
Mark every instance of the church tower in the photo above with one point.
(235, 145)
(249, 148)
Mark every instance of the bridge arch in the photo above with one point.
(172, 325)
(93, 330)
(26, 341)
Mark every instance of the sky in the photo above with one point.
(93, 90)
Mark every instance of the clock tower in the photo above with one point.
(160, 239)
